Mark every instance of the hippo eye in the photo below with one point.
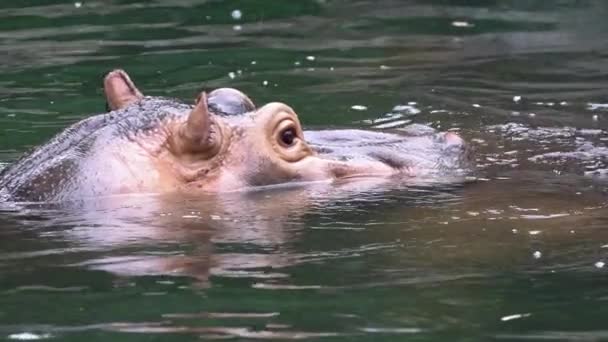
(288, 136)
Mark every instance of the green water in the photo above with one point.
(517, 255)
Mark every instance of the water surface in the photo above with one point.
(516, 254)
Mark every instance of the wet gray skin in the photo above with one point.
(223, 143)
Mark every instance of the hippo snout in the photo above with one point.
(429, 153)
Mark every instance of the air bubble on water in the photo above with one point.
(237, 27)
(473, 213)
(310, 69)
(236, 14)
(208, 17)
(232, 75)
(534, 232)
(537, 255)
(532, 115)
(265, 83)
(514, 231)
(595, 117)
(515, 113)
(412, 103)
(215, 217)
(240, 72)
(331, 68)
(78, 4)
(296, 63)
(358, 107)
(599, 264)
(310, 58)
(563, 103)
(516, 99)
(384, 67)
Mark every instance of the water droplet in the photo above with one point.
(516, 98)
(532, 115)
(232, 75)
(476, 105)
(384, 67)
(358, 107)
(310, 58)
(599, 264)
(254, 62)
(78, 4)
(534, 232)
(595, 117)
(237, 27)
(236, 14)
(537, 255)
(265, 83)
(296, 63)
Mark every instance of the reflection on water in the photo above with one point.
(517, 252)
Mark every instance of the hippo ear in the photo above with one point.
(120, 90)
(195, 132)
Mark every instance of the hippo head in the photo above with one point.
(224, 143)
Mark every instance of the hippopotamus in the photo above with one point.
(220, 143)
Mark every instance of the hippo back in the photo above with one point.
(51, 171)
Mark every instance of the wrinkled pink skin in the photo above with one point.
(153, 145)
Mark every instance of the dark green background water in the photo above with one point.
(518, 254)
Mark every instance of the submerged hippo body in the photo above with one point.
(223, 143)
